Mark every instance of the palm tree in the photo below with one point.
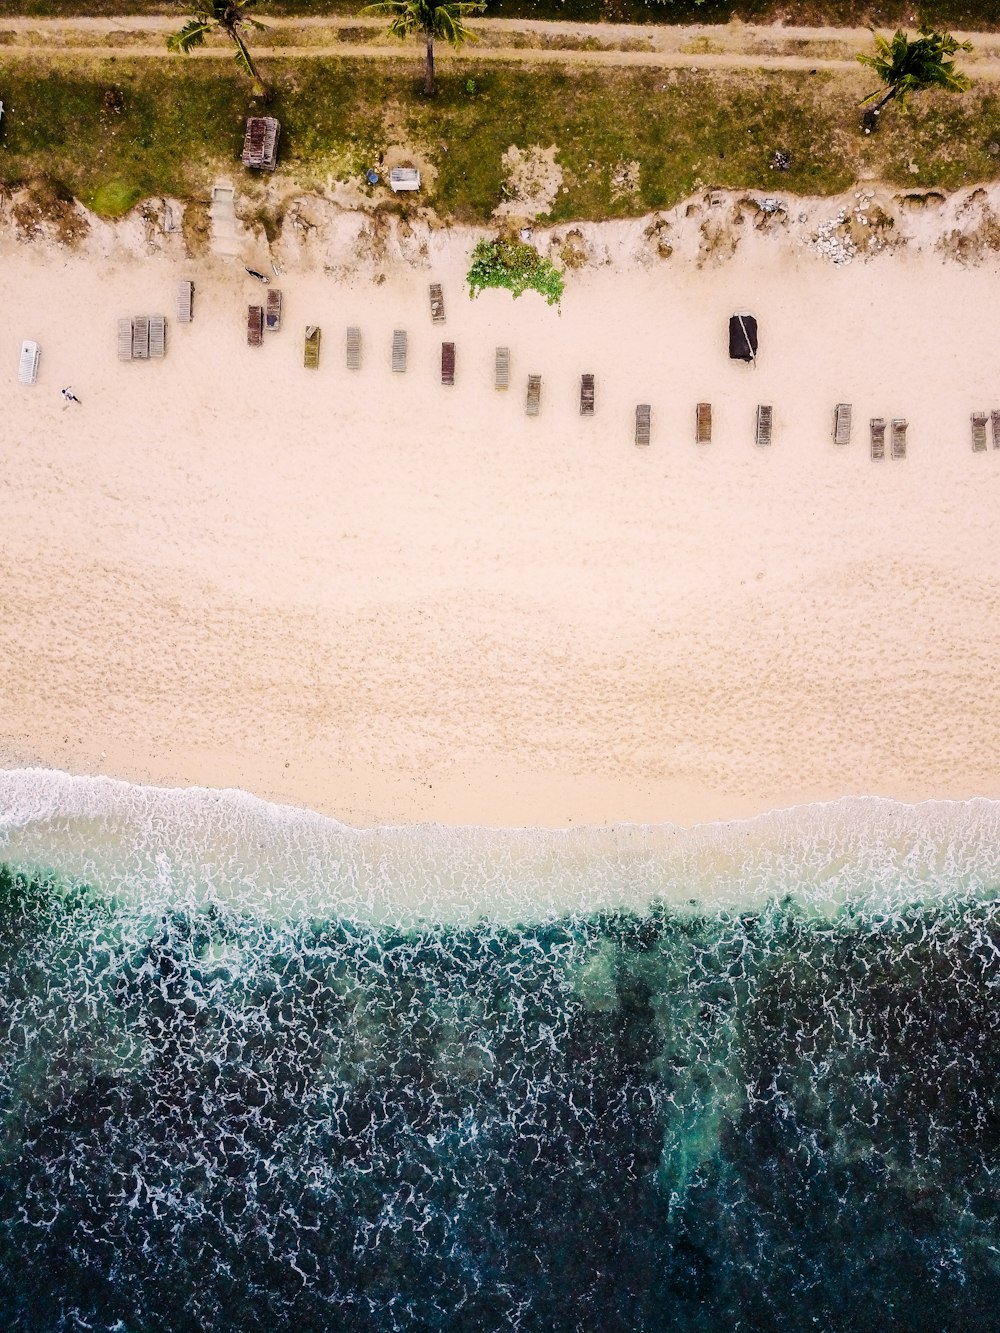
(228, 16)
(445, 20)
(906, 67)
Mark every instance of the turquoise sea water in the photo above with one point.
(260, 1071)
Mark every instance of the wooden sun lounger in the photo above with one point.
(140, 338)
(501, 373)
(447, 363)
(995, 423)
(185, 300)
(272, 317)
(586, 395)
(765, 414)
(703, 423)
(878, 437)
(310, 358)
(124, 340)
(399, 351)
(255, 325)
(437, 304)
(842, 414)
(642, 423)
(353, 348)
(979, 420)
(899, 425)
(27, 366)
(157, 336)
(534, 399)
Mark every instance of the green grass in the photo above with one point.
(181, 123)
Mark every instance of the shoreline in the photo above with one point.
(190, 848)
(388, 601)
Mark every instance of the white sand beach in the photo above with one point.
(392, 601)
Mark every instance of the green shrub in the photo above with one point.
(516, 266)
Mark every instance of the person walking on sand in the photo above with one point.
(70, 396)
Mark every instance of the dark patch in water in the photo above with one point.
(766, 1121)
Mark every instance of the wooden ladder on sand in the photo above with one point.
(310, 352)
(140, 338)
(399, 351)
(979, 420)
(642, 414)
(255, 325)
(157, 336)
(447, 363)
(185, 300)
(533, 401)
(501, 372)
(703, 423)
(877, 427)
(842, 415)
(899, 426)
(765, 416)
(353, 348)
(437, 304)
(586, 395)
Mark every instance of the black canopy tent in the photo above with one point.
(743, 338)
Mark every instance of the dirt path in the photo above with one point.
(511, 41)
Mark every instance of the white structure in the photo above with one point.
(404, 178)
(27, 370)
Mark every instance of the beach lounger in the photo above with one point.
(124, 340)
(255, 325)
(764, 420)
(353, 348)
(703, 423)
(842, 423)
(399, 351)
(437, 304)
(310, 357)
(642, 423)
(995, 423)
(272, 317)
(979, 420)
(447, 363)
(878, 437)
(899, 425)
(501, 373)
(185, 300)
(140, 338)
(157, 336)
(534, 399)
(27, 366)
(586, 395)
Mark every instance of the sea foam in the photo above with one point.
(195, 845)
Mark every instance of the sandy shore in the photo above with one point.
(392, 601)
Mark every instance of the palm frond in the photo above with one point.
(906, 66)
(192, 34)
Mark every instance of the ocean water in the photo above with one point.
(262, 1071)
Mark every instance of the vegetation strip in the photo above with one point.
(628, 141)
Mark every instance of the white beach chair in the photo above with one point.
(27, 370)
(185, 300)
(353, 347)
(125, 340)
(157, 335)
(399, 351)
